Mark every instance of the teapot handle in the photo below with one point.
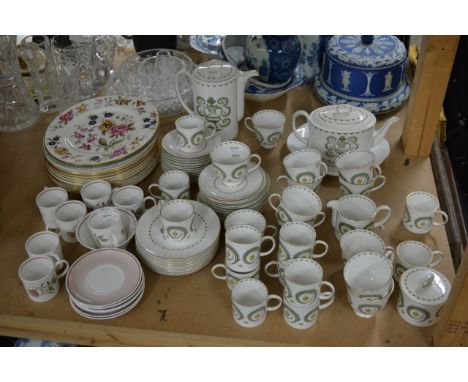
(294, 117)
(178, 75)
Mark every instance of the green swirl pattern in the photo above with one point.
(236, 313)
(371, 297)
(198, 138)
(251, 256)
(423, 223)
(283, 216)
(176, 233)
(400, 302)
(220, 172)
(182, 139)
(312, 315)
(368, 309)
(184, 194)
(232, 256)
(306, 296)
(305, 177)
(283, 253)
(417, 313)
(406, 216)
(290, 315)
(272, 138)
(257, 314)
(231, 281)
(239, 172)
(306, 254)
(165, 196)
(344, 227)
(287, 291)
(360, 179)
(399, 269)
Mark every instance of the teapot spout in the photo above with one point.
(241, 81)
(379, 135)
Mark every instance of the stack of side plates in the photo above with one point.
(105, 283)
(178, 258)
(114, 138)
(191, 163)
(252, 193)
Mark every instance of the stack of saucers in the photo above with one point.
(250, 194)
(192, 163)
(105, 283)
(112, 138)
(172, 258)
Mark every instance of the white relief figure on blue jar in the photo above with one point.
(388, 81)
(345, 80)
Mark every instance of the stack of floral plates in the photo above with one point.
(178, 258)
(192, 163)
(105, 283)
(250, 194)
(113, 138)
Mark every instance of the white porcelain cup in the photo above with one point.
(191, 133)
(172, 185)
(67, 215)
(249, 217)
(357, 167)
(284, 181)
(298, 240)
(374, 184)
(243, 247)
(40, 277)
(268, 125)
(302, 316)
(230, 160)
(298, 203)
(96, 194)
(356, 211)
(131, 198)
(362, 240)
(44, 243)
(411, 253)
(367, 306)
(421, 208)
(305, 166)
(47, 201)
(303, 283)
(250, 300)
(231, 277)
(106, 227)
(177, 218)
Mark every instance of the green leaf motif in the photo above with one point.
(344, 227)
(360, 179)
(251, 256)
(257, 314)
(290, 315)
(423, 223)
(232, 257)
(306, 296)
(368, 309)
(236, 313)
(417, 313)
(312, 315)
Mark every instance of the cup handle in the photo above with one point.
(150, 187)
(375, 188)
(272, 228)
(389, 253)
(180, 73)
(322, 219)
(151, 198)
(329, 296)
(58, 264)
(258, 163)
(319, 255)
(268, 265)
(333, 204)
(377, 170)
(274, 307)
(294, 117)
(278, 180)
(270, 200)
(439, 257)
(251, 128)
(323, 169)
(215, 275)
(211, 135)
(381, 222)
(444, 221)
(273, 241)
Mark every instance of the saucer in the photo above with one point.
(381, 151)
(169, 144)
(86, 239)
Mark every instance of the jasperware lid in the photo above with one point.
(215, 71)
(343, 118)
(425, 286)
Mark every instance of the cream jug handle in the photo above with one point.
(178, 75)
(333, 204)
(296, 133)
(379, 135)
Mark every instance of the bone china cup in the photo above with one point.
(268, 125)
(106, 227)
(172, 185)
(305, 166)
(68, 214)
(44, 243)
(177, 219)
(96, 194)
(298, 240)
(362, 240)
(249, 217)
(357, 167)
(367, 306)
(191, 134)
(131, 198)
(47, 201)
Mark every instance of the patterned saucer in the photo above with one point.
(169, 144)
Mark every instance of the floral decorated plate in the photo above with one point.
(101, 130)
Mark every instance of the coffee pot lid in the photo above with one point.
(369, 51)
(343, 118)
(215, 71)
(425, 286)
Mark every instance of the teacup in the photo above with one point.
(357, 167)
(421, 209)
(230, 160)
(40, 277)
(249, 217)
(47, 201)
(411, 253)
(96, 194)
(172, 185)
(231, 277)
(356, 211)
(191, 134)
(68, 214)
(44, 243)
(106, 227)
(243, 248)
(268, 125)
(131, 198)
(302, 316)
(314, 186)
(298, 240)
(348, 188)
(298, 203)
(367, 306)
(250, 302)
(305, 166)
(177, 218)
(362, 240)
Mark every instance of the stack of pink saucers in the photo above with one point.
(105, 283)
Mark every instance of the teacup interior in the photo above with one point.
(300, 201)
(414, 254)
(355, 160)
(367, 272)
(190, 122)
(177, 211)
(36, 269)
(305, 159)
(297, 234)
(246, 218)
(230, 154)
(128, 196)
(268, 119)
(51, 198)
(357, 242)
(103, 219)
(42, 244)
(249, 293)
(302, 273)
(173, 181)
(96, 191)
(422, 202)
(70, 212)
(356, 208)
(243, 235)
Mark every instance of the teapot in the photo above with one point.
(336, 129)
(218, 95)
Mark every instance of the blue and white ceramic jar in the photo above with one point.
(364, 71)
(310, 57)
(274, 57)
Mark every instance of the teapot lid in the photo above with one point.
(369, 51)
(215, 71)
(343, 118)
(425, 286)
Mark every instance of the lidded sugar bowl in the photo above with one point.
(365, 71)
(423, 293)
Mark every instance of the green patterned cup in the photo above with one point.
(357, 167)
(268, 126)
(191, 134)
(231, 277)
(362, 240)
(177, 218)
(314, 186)
(367, 306)
(302, 316)
(374, 184)
(298, 240)
(250, 303)
(305, 166)
(172, 185)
